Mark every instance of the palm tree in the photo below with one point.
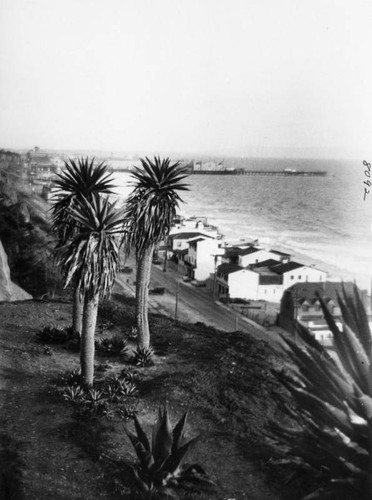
(150, 210)
(80, 179)
(334, 405)
(90, 258)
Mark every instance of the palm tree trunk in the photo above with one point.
(142, 297)
(87, 339)
(77, 312)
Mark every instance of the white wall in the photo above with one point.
(303, 274)
(204, 257)
(243, 284)
(256, 257)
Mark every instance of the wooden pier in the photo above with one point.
(282, 173)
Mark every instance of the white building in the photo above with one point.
(194, 224)
(266, 280)
(179, 241)
(255, 255)
(201, 257)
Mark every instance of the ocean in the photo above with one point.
(323, 221)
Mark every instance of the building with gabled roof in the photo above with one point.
(201, 258)
(179, 241)
(264, 280)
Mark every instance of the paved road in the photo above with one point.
(194, 304)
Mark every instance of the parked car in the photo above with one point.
(186, 279)
(156, 261)
(126, 269)
(158, 290)
(200, 284)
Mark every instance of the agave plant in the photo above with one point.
(128, 411)
(142, 356)
(70, 377)
(128, 375)
(132, 334)
(73, 393)
(161, 468)
(334, 396)
(52, 334)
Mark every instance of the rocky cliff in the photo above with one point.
(9, 291)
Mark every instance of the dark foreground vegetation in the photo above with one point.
(59, 437)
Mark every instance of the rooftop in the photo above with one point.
(268, 263)
(281, 268)
(196, 240)
(280, 253)
(248, 251)
(329, 290)
(228, 268)
(187, 235)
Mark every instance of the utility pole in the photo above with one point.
(215, 277)
(176, 305)
(236, 322)
(295, 318)
(165, 260)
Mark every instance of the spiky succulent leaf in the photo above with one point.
(178, 431)
(165, 471)
(175, 460)
(334, 409)
(141, 434)
(144, 456)
(162, 437)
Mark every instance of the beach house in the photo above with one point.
(200, 260)
(265, 280)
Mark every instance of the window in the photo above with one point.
(299, 276)
(292, 277)
(305, 307)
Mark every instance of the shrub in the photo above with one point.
(116, 388)
(70, 377)
(161, 469)
(105, 327)
(142, 356)
(73, 393)
(132, 334)
(52, 334)
(128, 375)
(334, 396)
(57, 334)
(114, 346)
(110, 312)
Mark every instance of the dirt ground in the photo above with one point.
(45, 454)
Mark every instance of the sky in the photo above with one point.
(208, 76)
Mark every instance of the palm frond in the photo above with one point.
(82, 178)
(91, 256)
(151, 207)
